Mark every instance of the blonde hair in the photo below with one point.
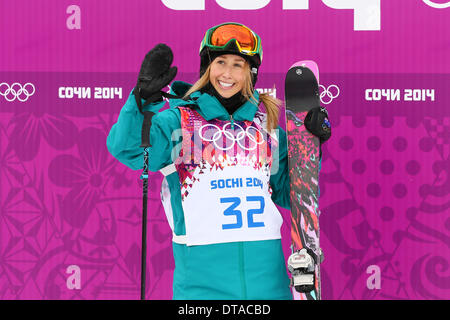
(271, 104)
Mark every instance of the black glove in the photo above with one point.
(155, 74)
(316, 121)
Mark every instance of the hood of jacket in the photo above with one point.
(208, 106)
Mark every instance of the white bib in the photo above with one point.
(230, 204)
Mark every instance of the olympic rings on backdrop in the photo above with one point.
(16, 90)
(327, 92)
(219, 134)
(437, 5)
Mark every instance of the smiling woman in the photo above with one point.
(221, 204)
(227, 74)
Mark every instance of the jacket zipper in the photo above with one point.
(241, 250)
(242, 272)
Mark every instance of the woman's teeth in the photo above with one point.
(225, 85)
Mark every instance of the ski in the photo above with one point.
(302, 94)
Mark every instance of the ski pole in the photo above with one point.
(145, 134)
(144, 177)
(145, 139)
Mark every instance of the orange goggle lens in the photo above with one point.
(225, 33)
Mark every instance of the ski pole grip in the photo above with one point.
(145, 133)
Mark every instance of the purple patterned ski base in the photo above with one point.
(304, 163)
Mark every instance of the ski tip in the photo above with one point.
(310, 64)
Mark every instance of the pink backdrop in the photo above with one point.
(70, 214)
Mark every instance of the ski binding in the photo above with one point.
(301, 264)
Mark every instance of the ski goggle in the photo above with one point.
(219, 37)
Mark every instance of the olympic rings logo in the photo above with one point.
(437, 5)
(332, 92)
(16, 90)
(219, 134)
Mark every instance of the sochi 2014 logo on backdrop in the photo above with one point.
(366, 13)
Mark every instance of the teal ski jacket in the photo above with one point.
(232, 270)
